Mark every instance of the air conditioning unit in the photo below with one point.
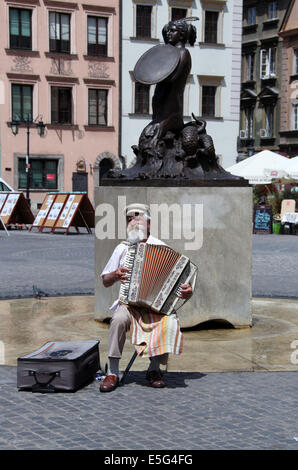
(263, 133)
(243, 134)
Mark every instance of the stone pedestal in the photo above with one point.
(211, 225)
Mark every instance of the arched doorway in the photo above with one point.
(104, 162)
(104, 166)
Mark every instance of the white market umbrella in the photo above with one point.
(292, 169)
(261, 167)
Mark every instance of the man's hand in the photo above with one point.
(185, 291)
(118, 275)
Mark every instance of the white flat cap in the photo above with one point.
(140, 208)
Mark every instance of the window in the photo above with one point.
(296, 61)
(272, 11)
(21, 102)
(249, 61)
(269, 121)
(97, 107)
(295, 116)
(208, 100)
(97, 36)
(20, 28)
(267, 62)
(143, 29)
(178, 13)
(142, 98)
(59, 32)
(252, 16)
(211, 26)
(61, 105)
(248, 123)
(43, 173)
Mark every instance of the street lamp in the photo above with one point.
(40, 130)
(14, 127)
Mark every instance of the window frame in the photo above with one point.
(269, 115)
(106, 113)
(295, 61)
(272, 11)
(58, 111)
(32, 161)
(148, 26)
(252, 15)
(249, 72)
(295, 115)
(60, 41)
(20, 46)
(249, 121)
(97, 52)
(145, 89)
(213, 87)
(22, 86)
(217, 26)
(217, 82)
(220, 9)
(269, 64)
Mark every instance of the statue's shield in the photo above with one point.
(156, 64)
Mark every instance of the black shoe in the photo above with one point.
(155, 378)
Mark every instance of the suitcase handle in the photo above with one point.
(43, 386)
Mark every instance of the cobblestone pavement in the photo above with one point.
(58, 264)
(64, 264)
(233, 410)
(196, 411)
(274, 267)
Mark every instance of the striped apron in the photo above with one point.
(153, 334)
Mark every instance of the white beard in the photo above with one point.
(136, 232)
(135, 236)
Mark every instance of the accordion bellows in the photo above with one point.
(156, 273)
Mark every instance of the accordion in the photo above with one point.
(155, 275)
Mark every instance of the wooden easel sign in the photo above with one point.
(54, 212)
(43, 211)
(74, 214)
(8, 207)
(3, 197)
(16, 210)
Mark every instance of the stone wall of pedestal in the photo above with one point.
(211, 225)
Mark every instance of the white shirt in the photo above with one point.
(118, 257)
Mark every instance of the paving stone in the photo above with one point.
(260, 417)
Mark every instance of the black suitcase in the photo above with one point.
(58, 366)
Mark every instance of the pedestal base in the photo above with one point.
(210, 225)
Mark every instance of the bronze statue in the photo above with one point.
(167, 147)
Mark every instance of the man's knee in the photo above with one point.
(121, 318)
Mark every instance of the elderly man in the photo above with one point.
(144, 325)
